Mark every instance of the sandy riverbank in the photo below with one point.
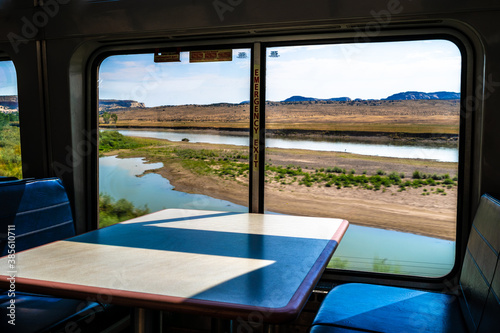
(408, 211)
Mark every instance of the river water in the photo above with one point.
(405, 253)
(123, 178)
(440, 154)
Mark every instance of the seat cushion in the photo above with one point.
(389, 309)
(41, 313)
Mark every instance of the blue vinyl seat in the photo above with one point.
(38, 209)
(38, 212)
(475, 307)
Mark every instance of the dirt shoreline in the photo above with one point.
(404, 211)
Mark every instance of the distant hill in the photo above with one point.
(311, 99)
(115, 104)
(8, 103)
(300, 99)
(12, 98)
(409, 95)
(412, 95)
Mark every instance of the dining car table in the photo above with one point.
(234, 266)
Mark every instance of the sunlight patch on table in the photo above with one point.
(177, 274)
(257, 224)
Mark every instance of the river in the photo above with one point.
(440, 154)
(123, 178)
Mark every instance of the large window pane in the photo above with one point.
(10, 143)
(173, 135)
(369, 133)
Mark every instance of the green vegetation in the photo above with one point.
(337, 177)
(111, 212)
(10, 146)
(112, 140)
(378, 265)
(382, 266)
(108, 117)
(227, 164)
(338, 263)
(7, 118)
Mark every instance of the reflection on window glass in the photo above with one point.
(369, 133)
(10, 142)
(173, 134)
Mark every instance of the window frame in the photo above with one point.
(468, 129)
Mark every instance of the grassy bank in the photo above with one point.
(112, 140)
(10, 151)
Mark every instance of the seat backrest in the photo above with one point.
(480, 261)
(33, 213)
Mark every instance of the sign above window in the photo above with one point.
(167, 56)
(211, 55)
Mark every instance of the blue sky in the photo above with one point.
(8, 81)
(138, 78)
(365, 70)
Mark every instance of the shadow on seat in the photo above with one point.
(33, 213)
(356, 307)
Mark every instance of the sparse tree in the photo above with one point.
(114, 117)
(106, 117)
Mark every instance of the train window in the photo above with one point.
(173, 134)
(369, 132)
(10, 142)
